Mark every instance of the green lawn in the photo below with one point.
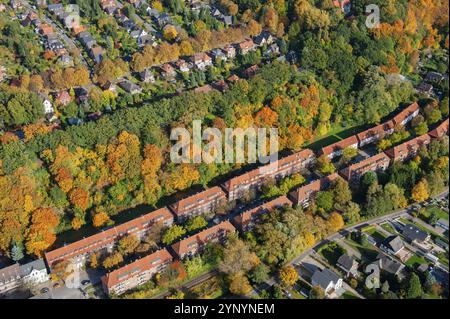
(331, 252)
(415, 261)
(388, 227)
(367, 252)
(349, 295)
(372, 231)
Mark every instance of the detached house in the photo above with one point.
(388, 265)
(328, 281)
(190, 246)
(63, 98)
(147, 76)
(182, 66)
(45, 29)
(229, 51)
(130, 87)
(394, 245)
(136, 273)
(203, 202)
(246, 46)
(167, 71)
(349, 265)
(414, 234)
(34, 273)
(264, 38)
(201, 60)
(96, 53)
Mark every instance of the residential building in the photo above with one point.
(230, 51)
(188, 247)
(336, 149)
(233, 78)
(220, 85)
(34, 273)
(251, 71)
(136, 273)
(330, 282)
(218, 55)
(272, 50)
(377, 163)
(375, 134)
(167, 71)
(16, 4)
(10, 278)
(147, 76)
(388, 265)
(204, 202)
(79, 251)
(303, 195)
(247, 219)
(254, 179)
(201, 60)
(408, 149)
(392, 244)
(407, 114)
(183, 66)
(47, 105)
(86, 39)
(264, 38)
(63, 98)
(434, 77)
(203, 89)
(349, 265)
(65, 60)
(130, 87)
(96, 53)
(414, 234)
(246, 46)
(440, 130)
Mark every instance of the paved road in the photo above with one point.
(69, 42)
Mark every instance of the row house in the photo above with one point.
(136, 273)
(336, 149)
(198, 204)
(247, 220)
(79, 251)
(375, 134)
(408, 149)
(238, 186)
(303, 195)
(440, 130)
(188, 247)
(407, 114)
(377, 163)
(10, 278)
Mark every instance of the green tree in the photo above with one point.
(196, 223)
(413, 287)
(172, 234)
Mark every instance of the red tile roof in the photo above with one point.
(409, 148)
(440, 130)
(186, 205)
(306, 192)
(373, 163)
(243, 219)
(107, 237)
(377, 131)
(126, 272)
(192, 243)
(338, 146)
(270, 169)
(405, 113)
(247, 44)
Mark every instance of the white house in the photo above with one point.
(328, 281)
(34, 272)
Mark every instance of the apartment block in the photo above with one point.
(303, 195)
(407, 114)
(375, 134)
(377, 163)
(295, 163)
(190, 246)
(247, 219)
(136, 273)
(80, 250)
(336, 149)
(200, 203)
(440, 130)
(408, 149)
